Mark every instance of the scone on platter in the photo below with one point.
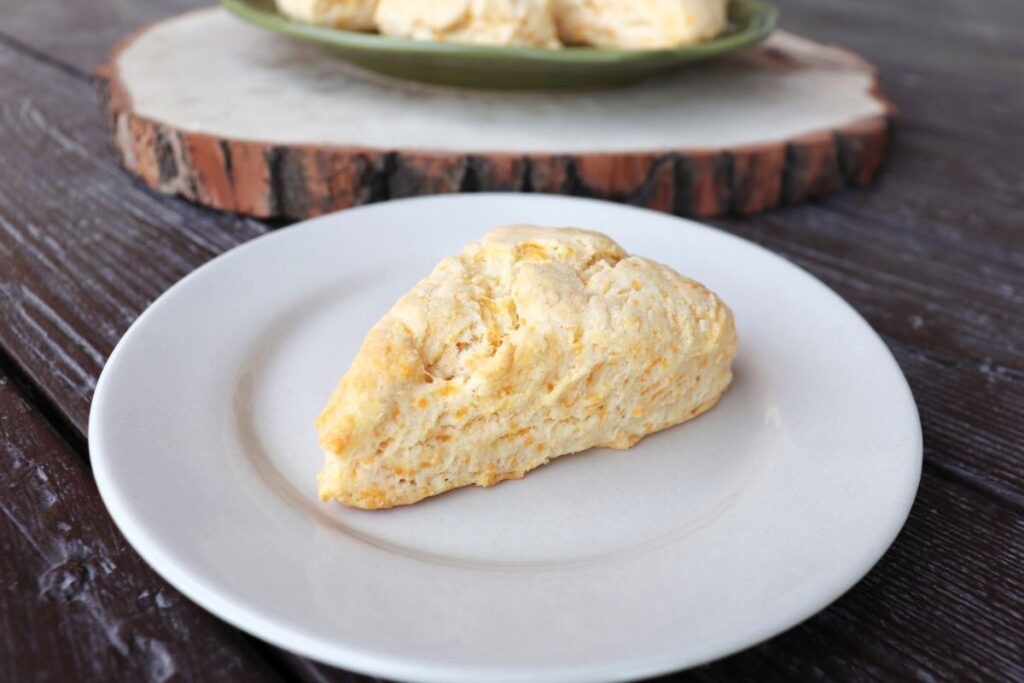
(354, 15)
(531, 344)
(639, 23)
(488, 22)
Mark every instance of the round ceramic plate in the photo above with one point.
(701, 540)
(483, 66)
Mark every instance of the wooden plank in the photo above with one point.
(928, 32)
(77, 603)
(972, 417)
(79, 34)
(950, 292)
(930, 256)
(961, 196)
(946, 64)
(82, 250)
(102, 219)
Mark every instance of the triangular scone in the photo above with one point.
(533, 343)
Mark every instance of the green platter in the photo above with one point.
(493, 67)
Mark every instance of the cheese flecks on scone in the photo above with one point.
(531, 344)
(355, 15)
(639, 23)
(489, 22)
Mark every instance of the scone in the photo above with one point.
(531, 344)
(489, 22)
(355, 15)
(639, 23)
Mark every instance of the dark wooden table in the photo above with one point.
(932, 256)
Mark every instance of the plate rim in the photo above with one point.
(250, 618)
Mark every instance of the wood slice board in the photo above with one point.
(229, 116)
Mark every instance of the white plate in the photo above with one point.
(702, 540)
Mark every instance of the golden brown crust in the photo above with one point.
(533, 343)
(353, 15)
(643, 24)
(485, 22)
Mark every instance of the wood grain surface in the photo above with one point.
(60, 322)
(932, 256)
(76, 603)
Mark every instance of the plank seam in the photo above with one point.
(989, 370)
(32, 393)
(16, 45)
(1014, 502)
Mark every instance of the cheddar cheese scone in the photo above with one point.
(488, 22)
(355, 15)
(639, 23)
(531, 344)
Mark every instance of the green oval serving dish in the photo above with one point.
(494, 67)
